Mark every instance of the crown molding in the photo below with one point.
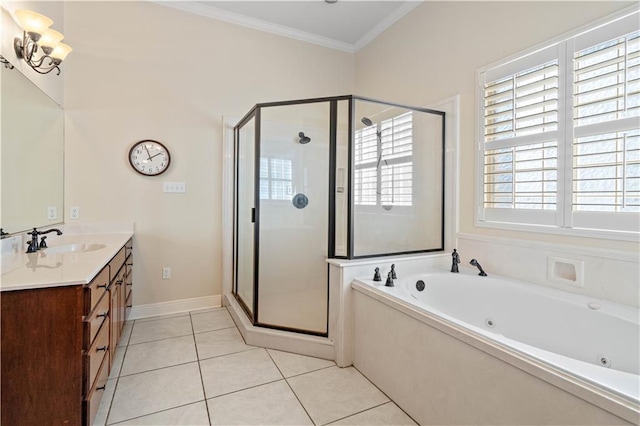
(385, 23)
(284, 31)
(256, 24)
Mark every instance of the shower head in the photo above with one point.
(367, 121)
(303, 138)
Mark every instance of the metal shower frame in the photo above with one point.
(255, 113)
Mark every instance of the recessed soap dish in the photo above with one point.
(565, 271)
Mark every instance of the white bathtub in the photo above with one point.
(594, 340)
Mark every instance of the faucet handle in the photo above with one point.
(43, 243)
(31, 248)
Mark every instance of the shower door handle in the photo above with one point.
(253, 215)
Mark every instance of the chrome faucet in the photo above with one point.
(477, 265)
(33, 244)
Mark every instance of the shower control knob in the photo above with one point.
(300, 201)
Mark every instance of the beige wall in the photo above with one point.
(140, 70)
(434, 52)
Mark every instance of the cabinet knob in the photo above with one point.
(119, 282)
(103, 387)
(102, 348)
(102, 286)
(104, 315)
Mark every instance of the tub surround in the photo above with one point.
(21, 271)
(343, 272)
(608, 274)
(458, 376)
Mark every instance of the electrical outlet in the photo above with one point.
(166, 272)
(74, 213)
(52, 213)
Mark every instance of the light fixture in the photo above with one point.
(36, 34)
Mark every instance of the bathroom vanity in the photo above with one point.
(62, 315)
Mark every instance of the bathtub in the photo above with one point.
(591, 340)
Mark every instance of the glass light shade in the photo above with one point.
(50, 40)
(33, 22)
(61, 51)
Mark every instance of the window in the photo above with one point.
(560, 134)
(275, 179)
(383, 172)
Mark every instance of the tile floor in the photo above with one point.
(195, 369)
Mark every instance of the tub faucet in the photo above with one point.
(33, 244)
(455, 259)
(376, 275)
(477, 265)
(389, 282)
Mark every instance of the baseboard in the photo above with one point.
(174, 307)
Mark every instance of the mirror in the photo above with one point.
(31, 155)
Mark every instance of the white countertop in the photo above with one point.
(21, 271)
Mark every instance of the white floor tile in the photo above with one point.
(117, 362)
(386, 415)
(334, 393)
(191, 415)
(105, 403)
(212, 320)
(220, 342)
(158, 354)
(148, 331)
(270, 404)
(230, 373)
(126, 333)
(293, 364)
(179, 314)
(146, 393)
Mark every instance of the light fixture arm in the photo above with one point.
(26, 48)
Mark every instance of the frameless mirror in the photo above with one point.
(31, 155)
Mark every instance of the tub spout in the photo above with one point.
(477, 265)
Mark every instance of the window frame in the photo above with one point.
(560, 220)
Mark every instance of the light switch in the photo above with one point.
(175, 187)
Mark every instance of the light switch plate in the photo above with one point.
(175, 187)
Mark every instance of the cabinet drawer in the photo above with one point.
(96, 289)
(116, 263)
(128, 247)
(95, 355)
(92, 400)
(128, 304)
(95, 320)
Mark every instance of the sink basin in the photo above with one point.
(74, 248)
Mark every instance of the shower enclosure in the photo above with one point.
(341, 177)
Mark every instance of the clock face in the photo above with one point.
(149, 157)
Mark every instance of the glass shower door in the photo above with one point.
(245, 203)
(294, 217)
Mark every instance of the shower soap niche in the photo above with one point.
(565, 271)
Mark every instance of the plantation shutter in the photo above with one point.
(521, 109)
(606, 121)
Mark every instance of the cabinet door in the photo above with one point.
(115, 290)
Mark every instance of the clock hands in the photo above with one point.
(148, 153)
(155, 155)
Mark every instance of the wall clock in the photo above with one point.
(149, 157)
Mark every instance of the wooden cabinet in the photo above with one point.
(58, 346)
